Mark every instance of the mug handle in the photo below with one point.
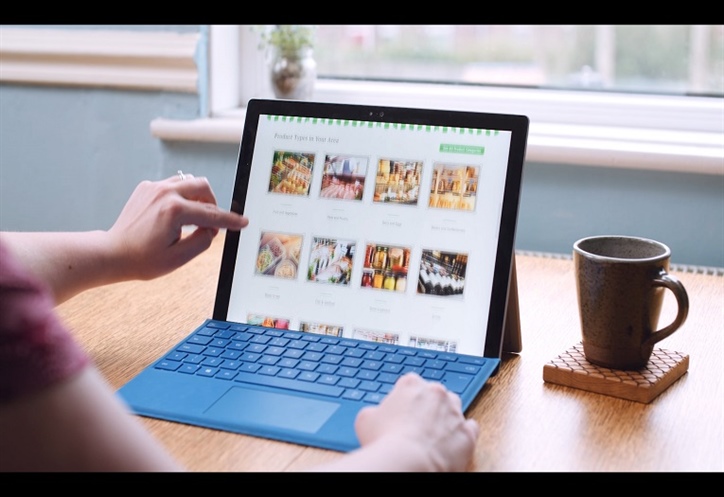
(682, 298)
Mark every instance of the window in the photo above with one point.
(585, 108)
(668, 59)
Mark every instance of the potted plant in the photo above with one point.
(292, 66)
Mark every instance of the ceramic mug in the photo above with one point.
(620, 281)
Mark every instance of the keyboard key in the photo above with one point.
(206, 371)
(188, 368)
(250, 367)
(391, 368)
(411, 369)
(347, 372)
(218, 325)
(225, 374)
(237, 345)
(327, 369)
(456, 382)
(435, 364)
(297, 344)
(316, 347)
(394, 358)
(269, 370)
(293, 353)
(212, 361)
(308, 376)
(328, 379)
(202, 340)
(274, 350)
(374, 355)
(353, 395)
(249, 357)
(433, 374)
(195, 359)
(348, 383)
(374, 365)
(190, 348)
(369, 386)
(462, 368)
(331, 359)
(355, 353)
(242, 337)
(385, 388)
(230, 364)
(307, 365)
(230, 354)
(472, 360)
(225, 334)
(312, 356)
(387, 378)
(279, 342)
(366, 374)
(414, 361)
(255, 348)
(374, 397)
(176, 356)
(288, 373)
(288, 363)
(351, 362)
(168, 365)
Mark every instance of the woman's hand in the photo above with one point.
(147, 236)
(418, 426)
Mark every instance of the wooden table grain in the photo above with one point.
(527, 424)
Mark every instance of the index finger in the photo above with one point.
(209, 215)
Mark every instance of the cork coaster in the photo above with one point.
(571, 369)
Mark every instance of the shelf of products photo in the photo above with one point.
(397, 181)
(386, 268)
(291, 173)
(443, 274)
(454, 187)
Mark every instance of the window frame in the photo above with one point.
(649, 131)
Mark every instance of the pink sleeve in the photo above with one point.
(36, 349)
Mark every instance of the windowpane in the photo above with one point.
(665, 59)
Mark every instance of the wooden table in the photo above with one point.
(527, 423)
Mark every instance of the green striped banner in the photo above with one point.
(383, 125)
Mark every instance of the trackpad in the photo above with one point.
(254, 407)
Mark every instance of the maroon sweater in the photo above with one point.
(36, 349)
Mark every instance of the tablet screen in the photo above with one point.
(382, 224)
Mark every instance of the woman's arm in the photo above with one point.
(77, 425)
(145, 242)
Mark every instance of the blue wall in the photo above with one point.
(70, 157)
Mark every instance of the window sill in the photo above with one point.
(632, 148)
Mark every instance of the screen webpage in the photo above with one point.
(372, 230)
